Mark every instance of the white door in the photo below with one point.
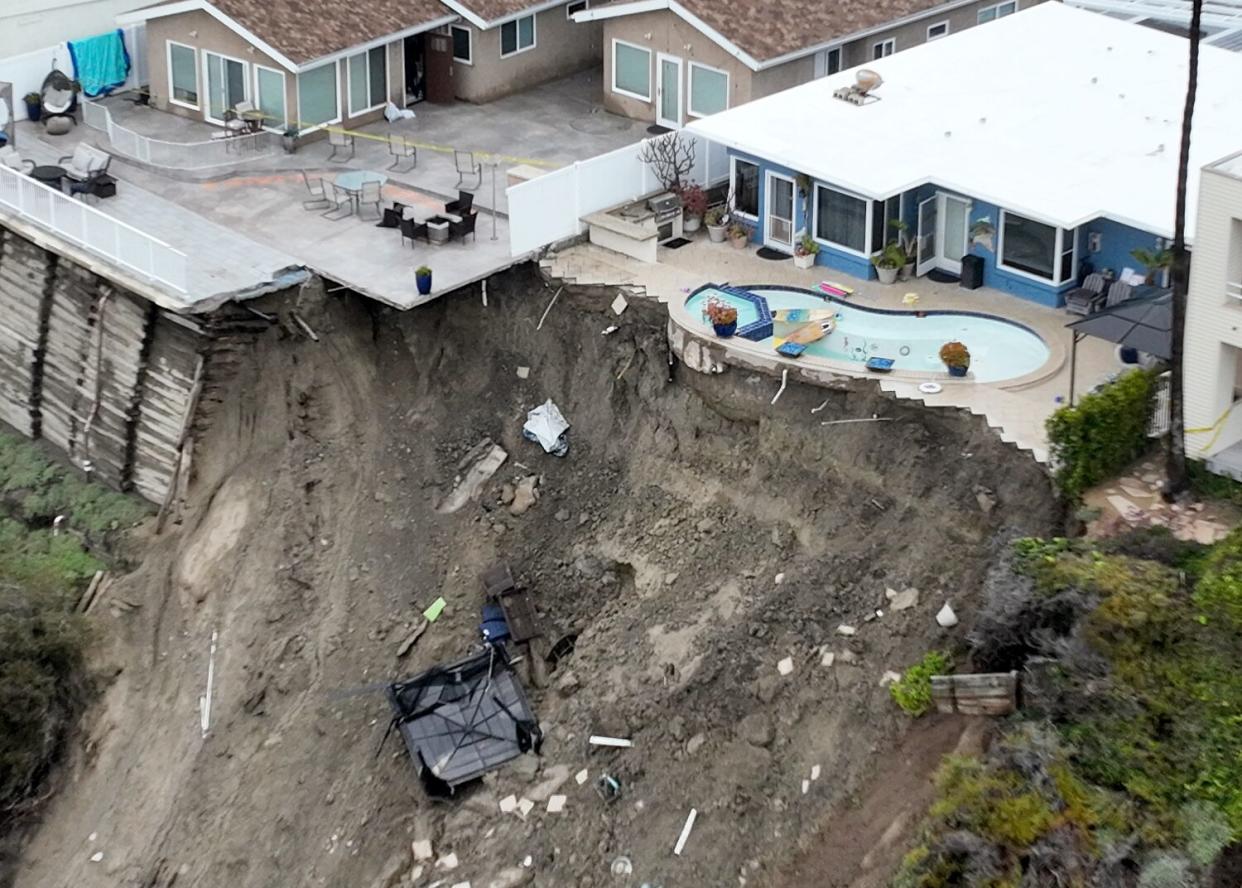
(668, 91)
(226, 84)
(926, 246)
(778, 233)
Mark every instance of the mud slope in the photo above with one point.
(311, 543)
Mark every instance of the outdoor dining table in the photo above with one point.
(353, 180)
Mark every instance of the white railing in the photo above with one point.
(550, 207)
(1233, 289)
(1158, 422)
(92, 229)
(177, 155)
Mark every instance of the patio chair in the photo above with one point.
(463, 228)
(392, 216)
(466, 166)
(84, 162)
(412, 230)
(401, 151)
(340, 140)
(371, 195)
(462, 206)
(11, 158)
(1118, 292)
(318, 195)
(235, 118)
(341, 202)
(1086, 299)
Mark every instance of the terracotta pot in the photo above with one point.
(738, 243)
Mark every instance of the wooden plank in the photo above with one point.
(991, 693)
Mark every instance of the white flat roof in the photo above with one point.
(1054, 112)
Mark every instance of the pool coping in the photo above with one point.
(694, 327)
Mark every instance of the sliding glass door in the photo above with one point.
(226, 84)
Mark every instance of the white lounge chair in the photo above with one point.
(86, 162)
(10, 157)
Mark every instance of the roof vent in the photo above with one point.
(866, 82)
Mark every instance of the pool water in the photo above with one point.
(998, 348)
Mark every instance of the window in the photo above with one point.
(744, 184)
(827, 61)
(709, 90)
(938, 30)
(269, 91)
(883, 214)
(517, 36)
(463, 48)
(884, 48)
(368, 80)
(834, 60)
(228, 84)
(579, 6)
(996, 11)
(183, 74)
(840, 219)
(1035, 248)
(317, 98)
(631, 70)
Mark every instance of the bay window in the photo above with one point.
(1036, 248)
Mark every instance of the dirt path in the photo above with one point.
(694, 537)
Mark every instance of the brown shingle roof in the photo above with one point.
(305, 30)
(490, 10)
(767, 29)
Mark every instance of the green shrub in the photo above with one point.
(1207, 833)
(1103, 433)
(913, 692)
(1212, 486)
(1219, 592)
(1167, 871)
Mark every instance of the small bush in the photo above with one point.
(1207, 833)
(1103, 433)
(1219, 592)
(913, 692)
(1167, 871)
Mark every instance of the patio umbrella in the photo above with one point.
(1144, 323)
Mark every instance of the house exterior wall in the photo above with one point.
(779, 77)
(27, 25)
(1213, 318)
(861, 51)
(562, 47)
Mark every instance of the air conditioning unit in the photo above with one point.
(866, 82)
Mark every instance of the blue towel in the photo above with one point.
(100, 63)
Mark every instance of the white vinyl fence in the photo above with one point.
(177, 155)
(92, 229)
(550, 207)
(26, 71)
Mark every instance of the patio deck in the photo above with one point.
(1016, 408)
(243, 227)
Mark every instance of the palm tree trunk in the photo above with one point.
(1178, 480)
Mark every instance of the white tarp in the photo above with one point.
(545, 424)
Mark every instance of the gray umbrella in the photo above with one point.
(1144, 323)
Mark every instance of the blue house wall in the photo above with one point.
(1117, 241)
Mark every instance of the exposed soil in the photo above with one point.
(693, 537)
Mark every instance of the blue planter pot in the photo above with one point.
(724, 331)
(424, 284)
(958, 371)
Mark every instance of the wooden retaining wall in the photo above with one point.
(109, 378)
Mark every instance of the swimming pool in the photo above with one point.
(999, 349)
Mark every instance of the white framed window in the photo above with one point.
(228, 84)
(833, 60)
(367, 74)
(997, 10)
(575, 7)
(517, 36)
(883, 214)
(318, 99)
(938, 30)
(1035, 249)
(183, 75)
(744, 186)
(884, 48)
(631, 70)
(841, 219)
(269, 96)
(709, 90)
(463, 44)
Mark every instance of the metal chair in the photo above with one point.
(1086, 299)
(402, 150)
(342, 203)
(466, 166)
(340, 140)
(462, 206)
(318, 194)
(463, 228)
(372, 195)
(412, 231)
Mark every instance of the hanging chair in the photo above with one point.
(58, 94)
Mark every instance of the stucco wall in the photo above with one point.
(28, 25)
(779, 77)
(912, 34)
(561, 47)
(670, 35)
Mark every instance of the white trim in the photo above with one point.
(625, 92)
(944, 23)
(485, 25)
(995, 7)
(734, 160)
(206, 93)
(690, 112)
(661, 58)
(469, 41)
(349, 80)
(399, 36)
(586, 4)
(770, 175)
(890, 42)
(517, 35)
(284, 95)
(869, 209)
(198, 90)
(1057, 251)
(339, 98)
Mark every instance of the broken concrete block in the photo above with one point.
(556, 804)
(524, 495)
(523, 372)
(946, 618)
(582, 776)
(447, 862)
(525, 806)
(695, 743)
(508, 804)
(845, 630)
(785, 666)
(905, 599)
(827, 658)
(422, 849)
(815, 772)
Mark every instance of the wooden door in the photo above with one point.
(439, 54)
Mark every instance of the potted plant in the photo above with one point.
(723, 317)
(805, 252)
(693, 206)
(1157, 263)
(956, 357)
(422, 276)
(715, 221)
(888, 262)
(739, 236)
(289, 139)
(906, 243)
(34, 106)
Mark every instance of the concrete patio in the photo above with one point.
(240, 229)
(1016, 408)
